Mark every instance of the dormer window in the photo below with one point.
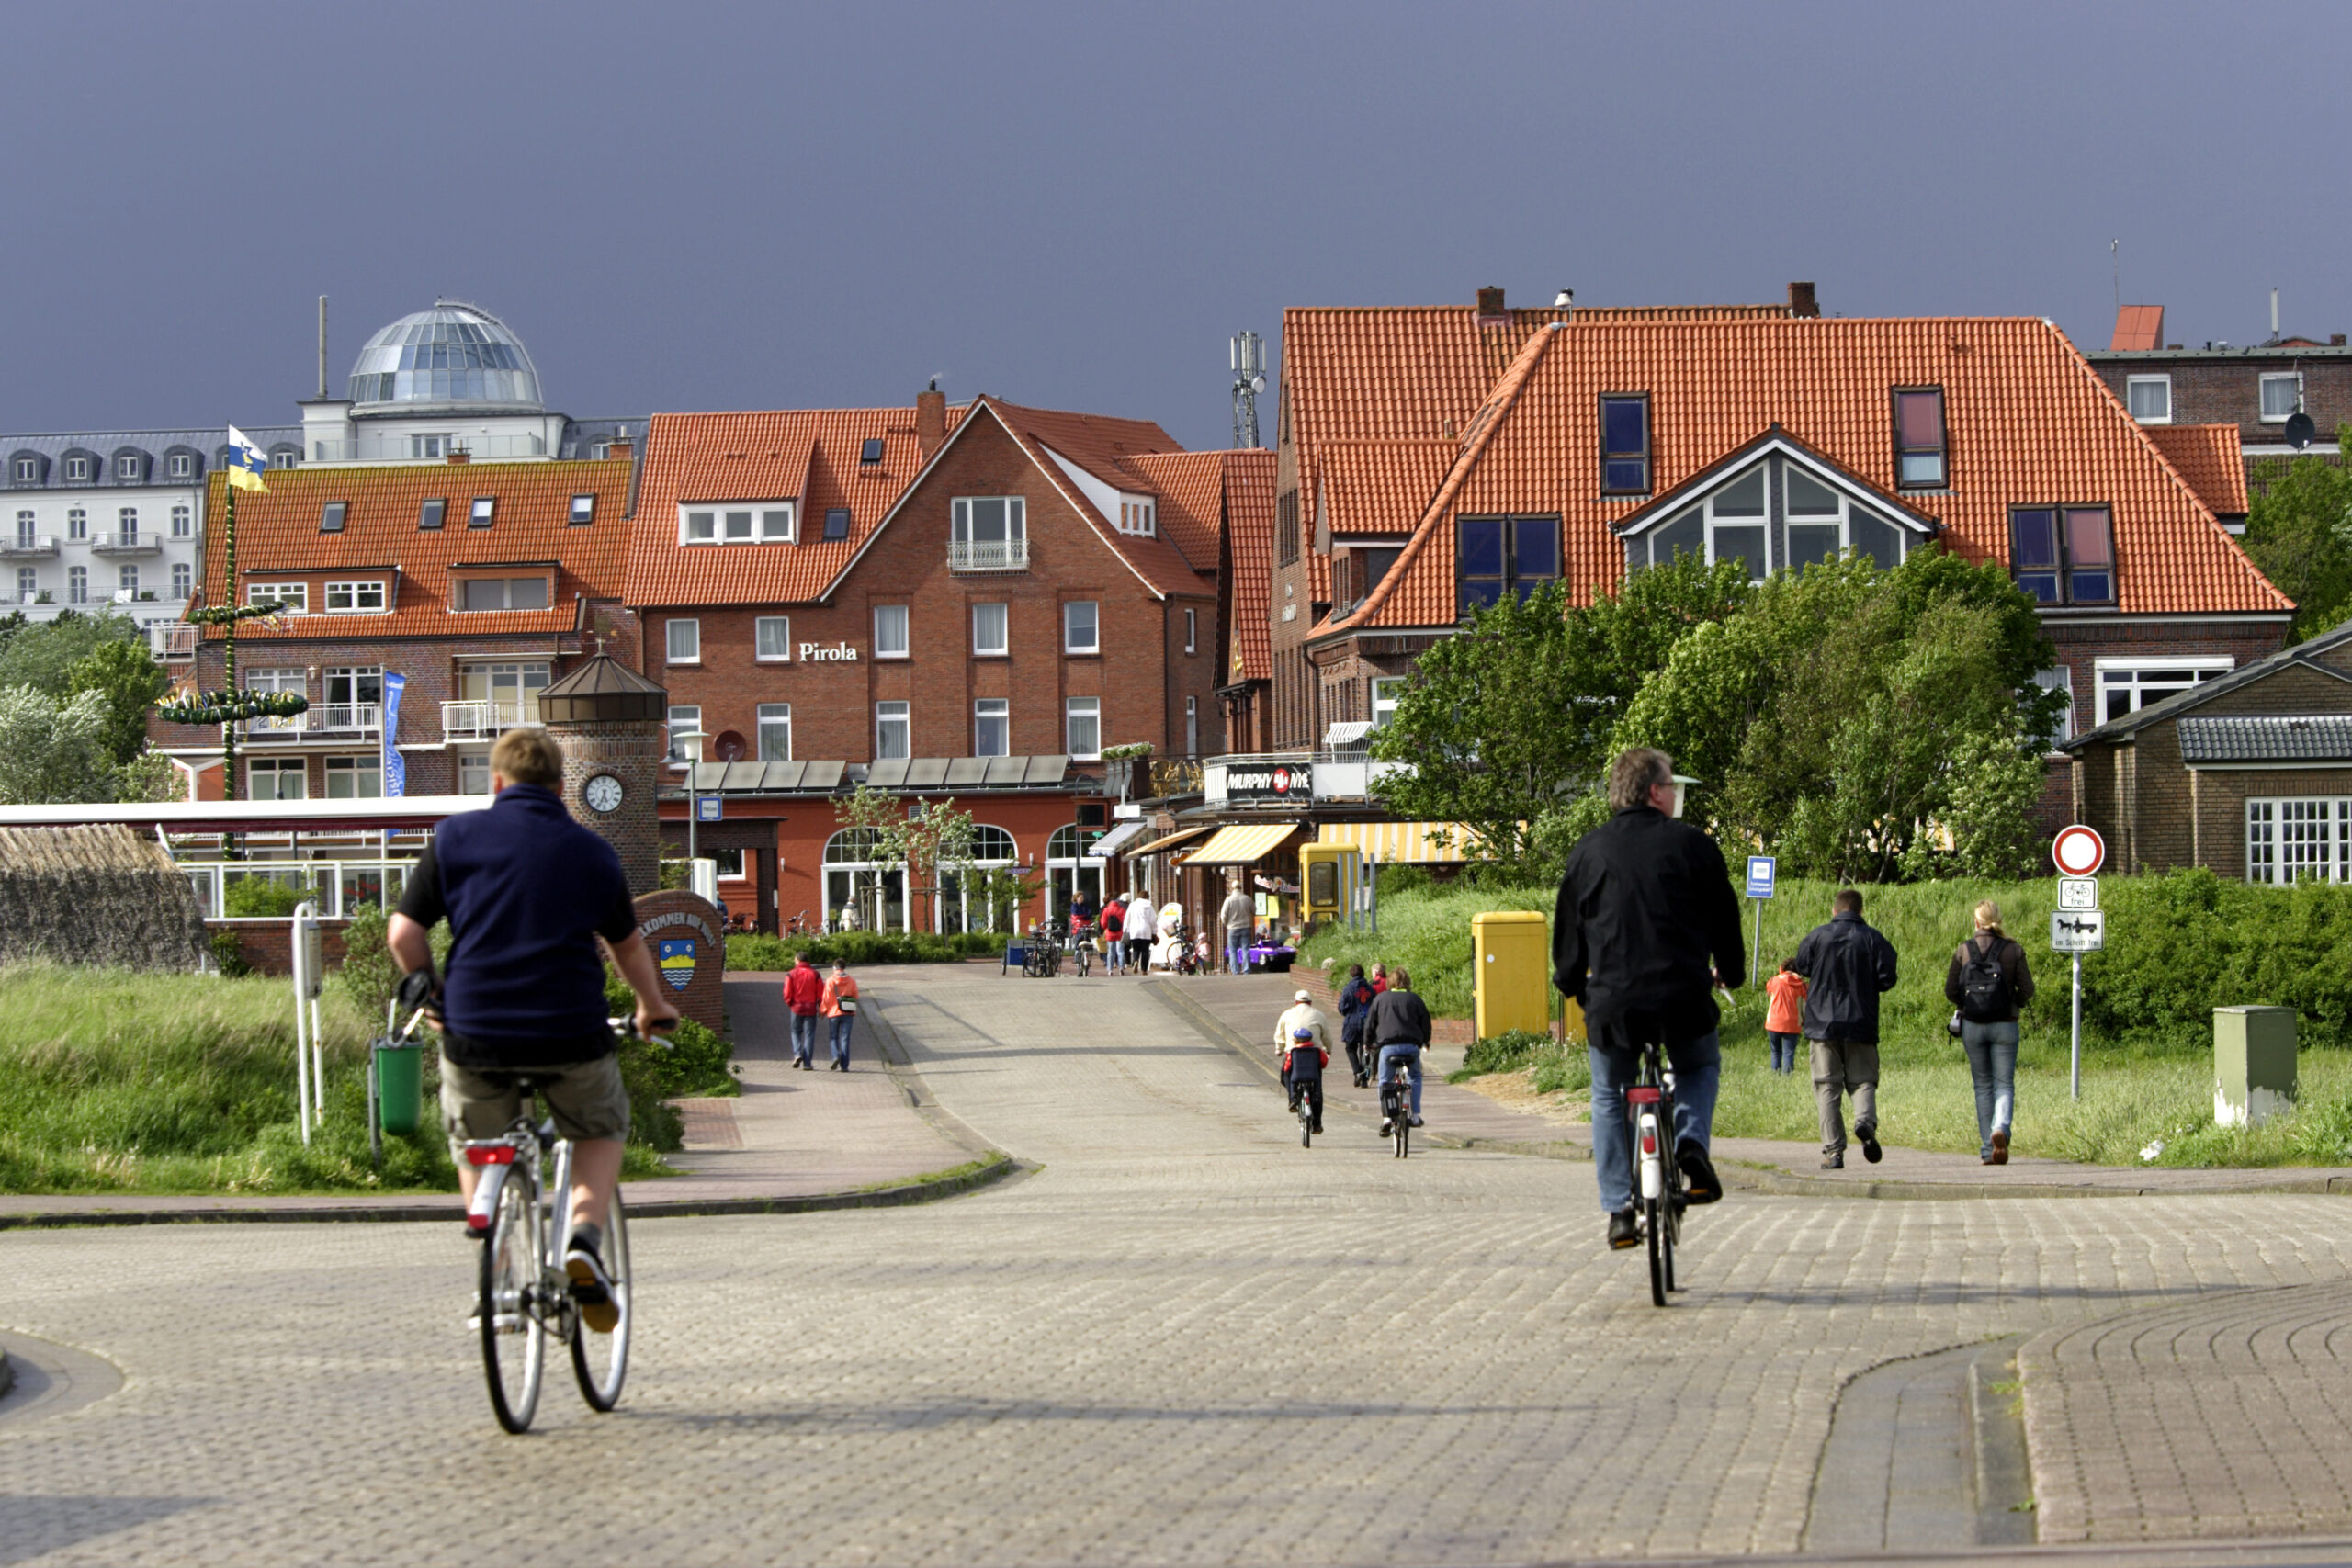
(1919, 438)
(584, 510)
(1625, 445)
(871, 452)
(126, 468)
(27, 471)
(181, 465)
(1504, 555)
(1138, 515)
(484, 513)
(2064, 554)
(735, 523)
(77, 469)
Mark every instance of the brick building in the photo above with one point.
(1605, 444)
(970, 602)
(2255, 388)
(2249, 775)
(478, 583)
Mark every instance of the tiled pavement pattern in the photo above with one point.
(1185, 1340)
(2215, 1418)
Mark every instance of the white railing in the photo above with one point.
(172, 641)
(400, 450)
(991, 555)
(319, 718)
(22, 547)
(485, 720)
(340, 888)
(127, 544)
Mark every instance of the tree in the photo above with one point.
(2299, 531)
(1508, 725)
(935, 840)
(871, 820)
(43, 656)
(53, 751)
(126, 676)
(150, 776)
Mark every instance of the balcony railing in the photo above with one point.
(127, 544)
(27, 547)
(323, 721)
(485, 720)
(992, 555)
(171, 642)
(401, 449)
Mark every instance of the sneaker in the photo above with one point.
(2000, 1155)
(1415, 1121)
(1624, 1230)
(1386, 1126)
(1699, 1183)
(1868, 1139)
(591, 1286)
(1833, 1162)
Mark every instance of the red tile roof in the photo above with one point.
(1106, 449)
(1191, 487)
(1380, 486)
(277, 535)
(2138, 328)
(2029, 421)
(2211, 457)
(810, 455)
(1249, 537)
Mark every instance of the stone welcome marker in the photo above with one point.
(687, 938)
(2254, 1064)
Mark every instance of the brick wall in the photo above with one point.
(1141, 675)
(2081, 644)
(2229, 391)
(691, 928)
(268, 945)
(632, 753)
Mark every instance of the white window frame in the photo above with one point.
(1003, 648)
(2204, 667)
(984, 709)
(183, 521)
(889, 717)
(459, 595)
(1138, 515)
(1385, 690)
(473, 772)
(1074, 710)
(1094, 638)
(77, 585)
(1016, 519)
(738, 522)
(363, 596)
(27, 471)
(126, 468)
(279, 769)
(77, 523)
(682, 640)
(2293, 381)
(125, 524)
(682, 718)
(296, 596)
(1191, 727)
(511, 686)
(772, 715)
(181, 465)
(1191, 630)
(1843, 519)
(28, 585)
(781, 625)
(126, 582)
(2132, 384)
(183, 579)
(2061, 678)
(900, 621)
(366, 767)
(77, 470)
(2288, 836)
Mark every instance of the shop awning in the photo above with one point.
(1182, 835)
(1242, 844)
(1110, 842)
(1400, 843)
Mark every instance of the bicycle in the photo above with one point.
(1082, 947)
(524, 1223)
(1650, 1102)
(1396, 1105)
(1303, 1078)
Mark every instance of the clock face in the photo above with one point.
(601, 793)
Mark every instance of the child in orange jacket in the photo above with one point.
(1785, 1017)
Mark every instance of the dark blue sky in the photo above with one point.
(685, 206)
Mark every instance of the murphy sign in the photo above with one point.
(1270, 781)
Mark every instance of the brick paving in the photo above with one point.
(1183, 1340)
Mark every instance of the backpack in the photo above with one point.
(1984, 988)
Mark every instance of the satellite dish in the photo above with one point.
(2300, 431)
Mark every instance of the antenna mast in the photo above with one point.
(323, 347)
(1248, 380)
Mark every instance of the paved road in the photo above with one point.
(1183, 1340)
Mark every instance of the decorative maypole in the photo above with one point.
(229, 706)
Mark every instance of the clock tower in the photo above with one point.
(612, 725)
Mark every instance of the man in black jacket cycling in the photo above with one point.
(1644, 904)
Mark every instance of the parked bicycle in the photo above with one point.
(522, 1214)
(1042, 954)
(1657, 1175)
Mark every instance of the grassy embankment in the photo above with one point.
(2177, 947)
(117, 1082)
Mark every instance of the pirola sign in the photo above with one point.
(1283, 781)
(817, 653)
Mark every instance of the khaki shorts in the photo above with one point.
(586, 1098)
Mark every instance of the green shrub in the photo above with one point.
(229, 956)
(253, 898)
(858, 949)
(369, 977)
(1504, 1052)
(2180, 945)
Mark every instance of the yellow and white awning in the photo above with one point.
(1242, 844)
(1401, 843)
(1182, 835)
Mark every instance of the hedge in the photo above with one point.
(858, 949)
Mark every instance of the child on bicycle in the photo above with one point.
(1303, 1036)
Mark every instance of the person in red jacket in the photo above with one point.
(803, 993)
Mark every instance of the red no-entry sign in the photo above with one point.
(2079, 851)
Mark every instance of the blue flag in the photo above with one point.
(395, 766)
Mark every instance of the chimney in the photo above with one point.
(621, 449)
(931, 418)
(2336, 340)
(460, 454)
(1490, 308)
(1801, 302)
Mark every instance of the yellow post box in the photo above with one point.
(1512, 951)
(1329, 875)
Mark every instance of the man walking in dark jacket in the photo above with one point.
(1846, 965)
(1645, 903)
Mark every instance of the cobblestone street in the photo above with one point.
(1183, 1340)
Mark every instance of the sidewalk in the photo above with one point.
(1243, 1008)
(793, 1141)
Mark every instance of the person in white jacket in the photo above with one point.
(1303, 1018)
(1142, 930)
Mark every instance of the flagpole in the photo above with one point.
(229, 638)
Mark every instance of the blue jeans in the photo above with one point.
(1114, 953)
(1237, 951)
(804, 1037)
(1993, 1069)
(1697, 1069)
(1412, 1057)
(840, 1037)
(1785, 1051)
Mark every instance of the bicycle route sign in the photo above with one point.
(2078, 893)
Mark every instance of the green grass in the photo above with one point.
(119, 1082)
(2139, 1086)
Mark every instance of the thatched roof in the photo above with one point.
(95, 895)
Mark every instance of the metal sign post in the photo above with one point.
(2076, 926)
(308, 956)
(1761, 875)
(2077, 931)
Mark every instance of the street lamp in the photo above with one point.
(693, 796)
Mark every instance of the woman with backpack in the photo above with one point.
(1355, 1005)
(1989, 982)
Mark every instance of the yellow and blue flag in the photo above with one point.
(246, 462)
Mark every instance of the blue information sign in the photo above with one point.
(706, 808)
(1759, 875)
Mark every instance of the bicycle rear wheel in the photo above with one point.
(514, 1339)
(1404, 1127)
(599, 1361)
(1654, 1213)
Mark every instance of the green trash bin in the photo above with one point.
(400, 1086)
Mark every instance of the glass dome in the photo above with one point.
(454, 354)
